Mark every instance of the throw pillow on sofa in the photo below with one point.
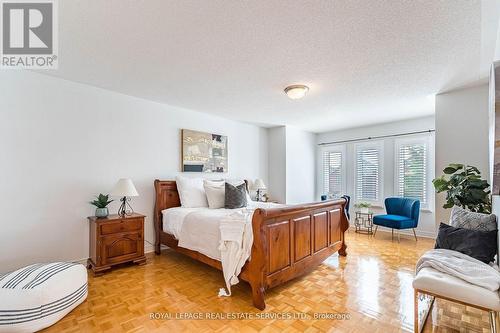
(462, 218)
(481, 245)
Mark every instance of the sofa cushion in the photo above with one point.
(441, 284)
(481, 245)
(393, 221)
(462, 218)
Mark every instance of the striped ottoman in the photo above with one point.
(37, 296)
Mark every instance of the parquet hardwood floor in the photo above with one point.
(372, 285)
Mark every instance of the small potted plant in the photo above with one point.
(101, 204)
(364, 207)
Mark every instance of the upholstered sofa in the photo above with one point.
(435, 283)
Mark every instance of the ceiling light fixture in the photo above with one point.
(296, 91)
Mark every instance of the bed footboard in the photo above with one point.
(291, 241)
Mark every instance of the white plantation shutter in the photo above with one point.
(411, 161)
(333, 176)
(368, 173)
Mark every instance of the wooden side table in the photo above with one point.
(363, 222)
(115, 240)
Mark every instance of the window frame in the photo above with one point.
(343, 168)
(417, 139)
(379, 144)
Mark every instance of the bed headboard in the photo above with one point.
(166, 196)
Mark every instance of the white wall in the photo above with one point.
(62, 143)
(426, 225)
(277, 163)
(300, 166)
(462, 130)
(292, 165)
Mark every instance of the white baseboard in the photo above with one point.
(148, 248)
(81, 261)
(420, 233)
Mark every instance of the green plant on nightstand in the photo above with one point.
(101, 202)
(364, 207)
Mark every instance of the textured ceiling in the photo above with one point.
(364, 61)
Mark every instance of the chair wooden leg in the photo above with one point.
(399, 238)
(414, 234)
(415, 311)
(493, 321)
(392, 234)
(376, 227)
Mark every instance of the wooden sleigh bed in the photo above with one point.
(288, 242)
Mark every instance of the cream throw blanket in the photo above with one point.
(235, 245)
(461, 266)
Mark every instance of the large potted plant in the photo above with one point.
(101, 204)
(464, 187)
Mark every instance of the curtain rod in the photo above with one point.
(375, 137)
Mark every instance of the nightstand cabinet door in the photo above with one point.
(120, 248)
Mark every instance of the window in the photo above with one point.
(369, 172)
(412, 169)
(333, 172)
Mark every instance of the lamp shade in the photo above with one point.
(124, 188)
(259, 184)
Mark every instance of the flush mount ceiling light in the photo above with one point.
(296, 91)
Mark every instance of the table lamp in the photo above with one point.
(125, 189)
(259, 186)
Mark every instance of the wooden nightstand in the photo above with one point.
(116, 240)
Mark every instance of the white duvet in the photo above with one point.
(221, 234)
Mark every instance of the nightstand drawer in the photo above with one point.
(121, 226)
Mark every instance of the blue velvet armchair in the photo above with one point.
(402, 213)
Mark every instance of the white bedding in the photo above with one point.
(200, 232)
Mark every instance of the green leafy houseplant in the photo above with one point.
(464, 187)
(101, 204)
(364, 207)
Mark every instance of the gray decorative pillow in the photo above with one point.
(462, 218)
(235, 196)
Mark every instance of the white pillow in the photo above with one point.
(215, 191)
(191, 192)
